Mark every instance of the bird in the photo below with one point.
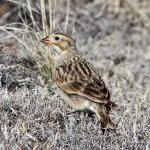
(78, 81)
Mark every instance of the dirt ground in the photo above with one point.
(114, 35)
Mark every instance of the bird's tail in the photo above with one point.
(106, 122)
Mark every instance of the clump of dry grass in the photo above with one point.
(29, 37)
(114, 35)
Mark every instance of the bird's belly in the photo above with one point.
(74, 101)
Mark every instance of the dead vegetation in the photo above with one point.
(113, 35)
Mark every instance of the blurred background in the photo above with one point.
(112, 34)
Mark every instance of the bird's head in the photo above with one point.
(62, 43)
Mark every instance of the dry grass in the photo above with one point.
(113, 35)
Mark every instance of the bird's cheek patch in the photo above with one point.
(64, 45)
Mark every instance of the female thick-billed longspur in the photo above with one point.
(78, 82)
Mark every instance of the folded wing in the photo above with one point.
(80, 78)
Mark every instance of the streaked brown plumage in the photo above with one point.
(78, 82)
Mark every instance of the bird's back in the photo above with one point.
(76, 76)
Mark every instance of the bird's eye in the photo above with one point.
(57, 38)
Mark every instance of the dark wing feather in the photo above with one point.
(81, 79)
